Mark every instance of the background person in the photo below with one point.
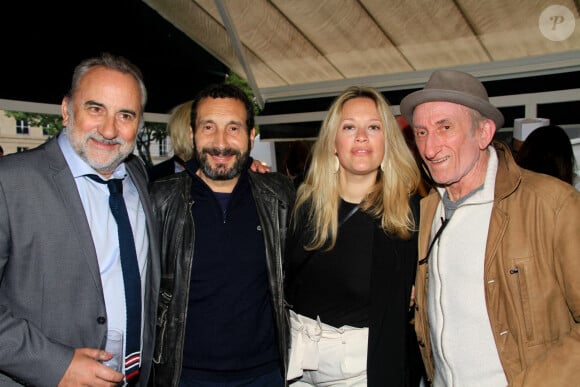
(61, 283)
(351, 254)
(295, 162)
(548, 150)
(222, 315)
(179, 130)
(497, 290)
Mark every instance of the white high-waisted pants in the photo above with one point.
(322, 355)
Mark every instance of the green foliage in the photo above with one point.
(51, 123)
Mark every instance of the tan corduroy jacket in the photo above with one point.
(534, 311)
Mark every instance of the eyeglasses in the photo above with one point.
(437, 235)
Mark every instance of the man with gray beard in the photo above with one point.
(222, 320)
(62, 263)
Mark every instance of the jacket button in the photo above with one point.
(101, 320)
(421, 343)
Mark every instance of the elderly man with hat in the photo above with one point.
(498, 280)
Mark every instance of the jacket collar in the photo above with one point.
(509, 174)
(507, 179)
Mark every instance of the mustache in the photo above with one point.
(103, 140)
(221, 152)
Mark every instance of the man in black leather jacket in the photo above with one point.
(222, 317)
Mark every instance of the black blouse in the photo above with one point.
(334, 285)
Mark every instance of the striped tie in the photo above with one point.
(131, 277)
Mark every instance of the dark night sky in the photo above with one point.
(45, 40)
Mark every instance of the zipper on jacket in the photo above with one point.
(524, 299)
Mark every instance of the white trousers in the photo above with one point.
(321, 355)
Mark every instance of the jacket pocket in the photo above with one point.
(162, 310)
(518, 274)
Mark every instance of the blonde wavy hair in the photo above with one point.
(397, 178)
(178, 128)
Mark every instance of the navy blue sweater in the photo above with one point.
(230, 331)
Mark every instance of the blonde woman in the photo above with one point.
(179, 130)
(352, 251)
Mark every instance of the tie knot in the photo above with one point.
(115, 185)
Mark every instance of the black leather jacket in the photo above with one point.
(274, 195)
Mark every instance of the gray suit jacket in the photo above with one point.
(51, 298)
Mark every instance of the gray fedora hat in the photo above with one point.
(452, 86)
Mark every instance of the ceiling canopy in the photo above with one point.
(293, 49)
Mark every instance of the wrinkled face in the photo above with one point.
(103, 121)
(221, 139)
(360, 139)
(449, 143)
